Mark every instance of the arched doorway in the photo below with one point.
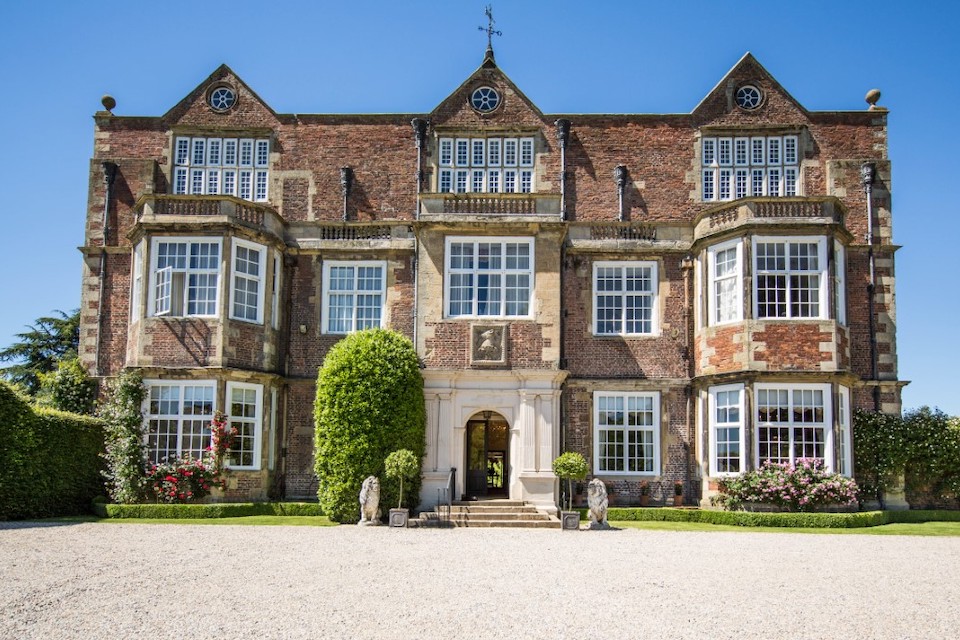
(488, 455)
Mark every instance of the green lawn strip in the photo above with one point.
(288, 521)
(895, 529)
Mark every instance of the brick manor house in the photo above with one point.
(676, 296)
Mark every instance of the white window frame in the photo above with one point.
(840, 281)
(823, 273)
(136, 284)
(503, 272)
(157, 276)
(790, 425)
(275, 292)
(256, 421)
(845, 432)
(327, 292)
(481, 165)
(712, 281)
(622, 265)
(272, 443)
(762, 162)
(236, 274)
(714, 425)
(209, 166)
(654, 429)
(180, 417)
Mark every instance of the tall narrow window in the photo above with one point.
(354, 294)
(726, 429)
(275, 292)
(725, 283)
(245, 415)
(624, 296)
(249, 268)
(840, 281)
(845, 464)
(136, 293)
(626, 429)
(489, 277)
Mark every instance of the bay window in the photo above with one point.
(178, 416)
(790, 277)
(793, 421)
(725, 283)
(185, 276)
(725, 419)
(246, 291)
(245, 416)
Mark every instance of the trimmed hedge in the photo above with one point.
(200, 511)
(793, 520)
(50, 461)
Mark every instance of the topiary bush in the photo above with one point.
(570, 466)
(805, 486)
(125, 455)
(369, 403)
(50, 461)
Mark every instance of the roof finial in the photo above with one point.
(490, 32)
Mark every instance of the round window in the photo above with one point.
(222, 98)
(749, 97)
(485, 99)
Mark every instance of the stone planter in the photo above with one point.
(399, 517)
(570, 520)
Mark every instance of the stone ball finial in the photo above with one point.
(872, 97)
(108, 102)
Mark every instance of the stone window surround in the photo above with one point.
(530, 272)
(653, 265)
(653, 429)
(327, 292)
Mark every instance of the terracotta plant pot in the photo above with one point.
(645, 501)
(678, 501)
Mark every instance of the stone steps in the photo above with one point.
(491, 513)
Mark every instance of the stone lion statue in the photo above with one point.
(597, 502)
(370, 502)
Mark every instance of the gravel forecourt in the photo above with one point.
(91, 580)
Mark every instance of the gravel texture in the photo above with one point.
(172, 581)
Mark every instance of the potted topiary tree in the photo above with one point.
(399, 465)
(678, 493)
(570, 466)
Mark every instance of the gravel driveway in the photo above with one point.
(172, 581)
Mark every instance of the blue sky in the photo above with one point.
(58, 58)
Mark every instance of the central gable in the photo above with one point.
(209, 105)
(514, 109)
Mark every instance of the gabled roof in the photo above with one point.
(221, 73)
(747, 70)
(487, 72)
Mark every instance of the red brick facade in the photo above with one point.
(311, 219)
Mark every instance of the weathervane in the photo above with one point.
(489, 28)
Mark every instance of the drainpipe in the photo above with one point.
(109, 175)
(563, 137)
(693, 464)
(346, 183)
(867, 175)
(620, 173)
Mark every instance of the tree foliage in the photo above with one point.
(369, 403)
(401, 465)
(38, 350)
(69, 388)
(125, 455)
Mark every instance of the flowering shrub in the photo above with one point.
(183, 480)
(221, 439)
(803, 487)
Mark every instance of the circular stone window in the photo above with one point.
(485, 99)
(749, 97)
(222, 99)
